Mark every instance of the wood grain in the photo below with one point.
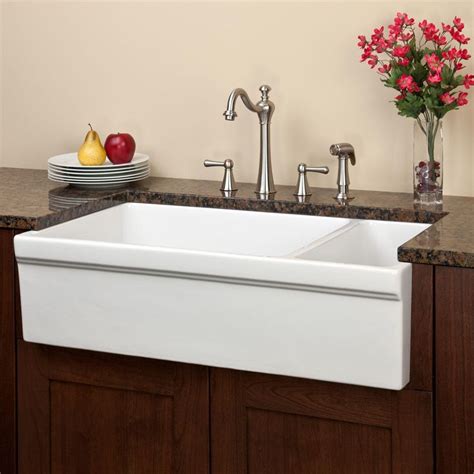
(271, 424)
(422, 316)
(88, 436)
(281, 443)
(84, 412)
(454, 370)
(19, 326)
(7, 356)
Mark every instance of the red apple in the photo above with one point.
(120, 148)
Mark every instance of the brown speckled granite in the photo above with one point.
(28, 200)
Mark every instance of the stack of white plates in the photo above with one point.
(67, 169)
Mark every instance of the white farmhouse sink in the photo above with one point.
(316, 297)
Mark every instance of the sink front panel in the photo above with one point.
(311, 334)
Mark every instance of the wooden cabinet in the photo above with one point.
(455, 370)
(7, 355)
(269, 424)
(78, 412)
(82, 412)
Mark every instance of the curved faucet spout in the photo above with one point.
(264, 109)
(230, 112)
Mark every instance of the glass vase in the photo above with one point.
(428, 160)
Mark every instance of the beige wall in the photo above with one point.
(163, 70)
(1, 77)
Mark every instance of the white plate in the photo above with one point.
(86, 181)
(101, 169)
(118, 172)
(101, 181)
(98, 177)
(70, 160)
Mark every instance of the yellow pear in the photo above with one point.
(92, 153)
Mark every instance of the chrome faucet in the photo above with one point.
(264, 108)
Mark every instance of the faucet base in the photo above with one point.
(265, 196)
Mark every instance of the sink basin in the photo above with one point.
(198, 229)
(315, 297)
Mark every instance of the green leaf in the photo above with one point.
(395, 74)
(412, 106)
(446, 75)
(458, 81)
(420, 73)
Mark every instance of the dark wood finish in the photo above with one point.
(454, 370)
(272, 424)
(7, 356)
(82, 412)
(19, 328)
(422, 315)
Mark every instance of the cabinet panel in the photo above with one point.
(454, 370)
(83, 416)
(280, 443)
(7, 356)
(90, 412)
(422, 316)
(271, 424)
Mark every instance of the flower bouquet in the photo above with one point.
(424, 68)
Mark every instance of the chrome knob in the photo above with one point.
(302, 187)
(228, 182)
(345, 153)
(264, 91)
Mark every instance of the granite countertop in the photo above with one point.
(28, 200)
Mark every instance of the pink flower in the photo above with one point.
(429, 30)
(464, 54)
(447, 98)
(366, 54)
(468, 81)
(394, 30)
(459, 66)
(446, 28)
(381, 45)
(373, 61)
(401, 96)
(433, 62)
(402, 19)
(434, 78)
(459, 37)
(362, 41)
(385, 68)
(404, 62)
(423, 24)
(401, 51)
(450, 55)
(406, 82)
(462, 100)
(406, 36)
(377, 34)
(458, 23)
(440, 40)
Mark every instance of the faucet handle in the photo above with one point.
(343, 151)
(302, 187)
(228, 182)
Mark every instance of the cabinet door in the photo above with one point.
(84, 412)
(265, 424)
(455, 370)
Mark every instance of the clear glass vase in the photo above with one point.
(428, 160)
